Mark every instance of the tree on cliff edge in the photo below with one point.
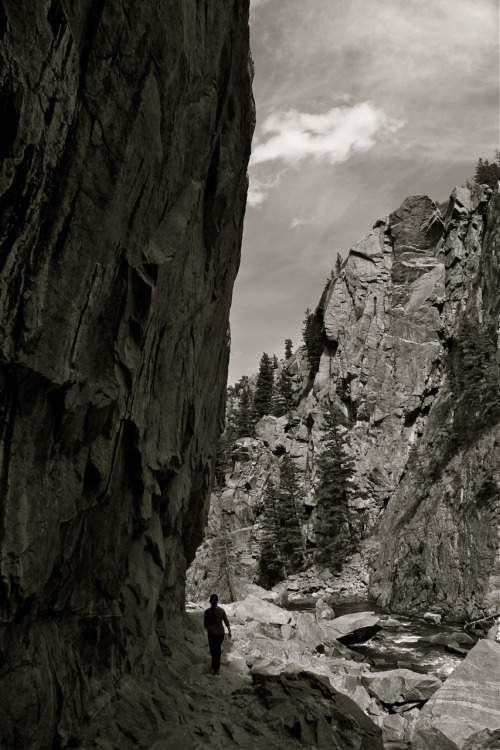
(291, 541)
(488, 173)
(283, 395)
(243, 419)
(313, 336)
(270, 562)
(264, 387)
(224, 462)
(335, 469)
(224, 562)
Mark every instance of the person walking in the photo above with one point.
(214, 620)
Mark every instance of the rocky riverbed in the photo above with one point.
(289, 680)
(293, 679)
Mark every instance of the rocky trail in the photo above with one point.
(287, 681)
(183, 705)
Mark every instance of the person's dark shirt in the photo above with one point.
(214, 619)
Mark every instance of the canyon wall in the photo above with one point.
(126, 137)
(441, 529)
(410, 325)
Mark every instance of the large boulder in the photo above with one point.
(324, 611)
(484, 740)
(254, 608)
(400, 686)
(318, 635)
(354, 628)
(466, 704)
(271, 430)
(312, 711)
(244, 589)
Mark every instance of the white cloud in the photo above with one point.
(259, 188)
(331, 137)
(298, 222)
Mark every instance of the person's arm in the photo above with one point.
(205, 620)
(228, 626)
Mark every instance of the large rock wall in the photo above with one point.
(126, 136)
(411, 358)
(411, 325)
(441, 529)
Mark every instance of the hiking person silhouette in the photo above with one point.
(214, 620)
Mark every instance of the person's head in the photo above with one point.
(213, 600)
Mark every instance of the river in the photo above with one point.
(395, 647)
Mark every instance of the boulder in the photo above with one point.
(312, 634)
(467, 703)
(400, 686)
(455, 648)
(433, 617)
(348, 667)
(316, 714)
(493, 633)
(355, 628)
(394, 728)
(324, 611)
(484, 740)
(244, 589)
(443, 639)
(391, 623)
(271, 430)
(253, 608)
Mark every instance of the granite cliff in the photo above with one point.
(126, 137)
(410, 326)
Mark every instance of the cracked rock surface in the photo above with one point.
(122, 194)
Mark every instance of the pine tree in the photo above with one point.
(288, 348)
(224, 463)
(283, 395)
(314, 341)
(275, 362)
(333, 490)
(243, 419)
(224, 561)
(263, 397)
(338, 264)
(270, 563)
(291, 541)
(488, 173)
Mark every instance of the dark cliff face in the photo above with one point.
(122, 193)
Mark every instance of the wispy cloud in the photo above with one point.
(298, 222)
(259, 188)
(257, 3)
(330, 137)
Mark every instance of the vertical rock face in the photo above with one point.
(127, 129)
(383, 332)
(441, 529)
(411, 358)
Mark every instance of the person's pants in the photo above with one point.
(215, 642)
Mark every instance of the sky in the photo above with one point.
(360, 103)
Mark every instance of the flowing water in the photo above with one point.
(403, 646)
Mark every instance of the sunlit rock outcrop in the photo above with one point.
(440, 531)
(411, 360)
(126, 136)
